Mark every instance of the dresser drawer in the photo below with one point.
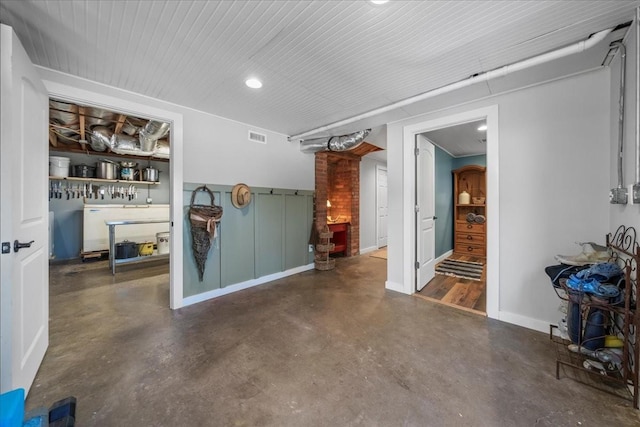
(470, 249)
(468, 227)
(464, 238)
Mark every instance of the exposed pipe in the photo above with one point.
(636, 186)
(498, 72)
(334, 143)
(623, 66)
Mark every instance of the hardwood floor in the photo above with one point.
(464, 294)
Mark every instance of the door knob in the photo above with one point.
(17, 245)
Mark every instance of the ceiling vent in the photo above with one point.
(257, 137)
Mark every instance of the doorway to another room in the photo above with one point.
(451, 215)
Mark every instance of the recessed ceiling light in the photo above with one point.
(482, 128)
(378, 1)
(253, 83)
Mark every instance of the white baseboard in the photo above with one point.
(243, 285)
(525, 322)
(444, 256)
(393, 286)
(369, 249)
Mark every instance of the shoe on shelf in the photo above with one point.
(592, 253)
(602, 271)
(592, 286)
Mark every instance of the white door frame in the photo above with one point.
(77, 95)
(493, 202)
(379, 168)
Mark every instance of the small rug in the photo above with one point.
(380, 253)
(463, 269)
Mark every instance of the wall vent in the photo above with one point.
(257, 137)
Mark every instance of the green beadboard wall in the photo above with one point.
(269, 236)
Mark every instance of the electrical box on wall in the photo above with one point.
(618, 196)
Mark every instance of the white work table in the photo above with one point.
(112, 242)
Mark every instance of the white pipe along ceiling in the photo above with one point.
(481, 77)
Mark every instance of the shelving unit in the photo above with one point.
(123, 181)
(112, 243)
(469, 236)
(323, 249)
(619, 318)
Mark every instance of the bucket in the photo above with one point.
(163, 242)
(59, 166)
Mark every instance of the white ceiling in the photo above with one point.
(461, 140)
(320, 61)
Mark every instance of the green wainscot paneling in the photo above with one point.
(237, 237)
(296, 231)
(268, 236)
(269, 233)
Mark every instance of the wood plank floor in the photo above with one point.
(464, 294)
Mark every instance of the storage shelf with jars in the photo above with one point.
(469, 192)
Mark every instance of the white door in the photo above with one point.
(382, 205)
(24, 330)
(425, 212)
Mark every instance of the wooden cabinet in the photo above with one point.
(470, 233)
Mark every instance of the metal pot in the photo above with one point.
(83, 171)
(127, 173)
(106, 169)
(150, 174)
(126, 249)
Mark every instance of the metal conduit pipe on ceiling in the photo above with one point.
(580, 46)
(334, 143)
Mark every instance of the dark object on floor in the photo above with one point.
(67, 421)
(62, 409)
(458, 268)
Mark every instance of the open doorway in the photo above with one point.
(454, 194)
(410, 237)
(109, 195)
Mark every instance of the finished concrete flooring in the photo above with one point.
(315, 349)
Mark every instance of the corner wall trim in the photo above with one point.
(243, 285)
(444, 256)
(367, 250)
(393, 286)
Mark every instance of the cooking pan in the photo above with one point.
(126, 249)
(83, 171)
(150, 174)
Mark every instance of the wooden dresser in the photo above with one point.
(470, 233)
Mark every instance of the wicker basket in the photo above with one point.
(328, 264)
(325, 247)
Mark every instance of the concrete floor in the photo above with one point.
(316, 349)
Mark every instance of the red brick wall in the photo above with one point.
(338, 180)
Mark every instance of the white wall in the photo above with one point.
(627, 215)
(368, 211)
(553, 168)
(217, 149)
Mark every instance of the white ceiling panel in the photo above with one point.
(320, 61)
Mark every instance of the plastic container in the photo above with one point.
(163, 242)
(59, 166)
